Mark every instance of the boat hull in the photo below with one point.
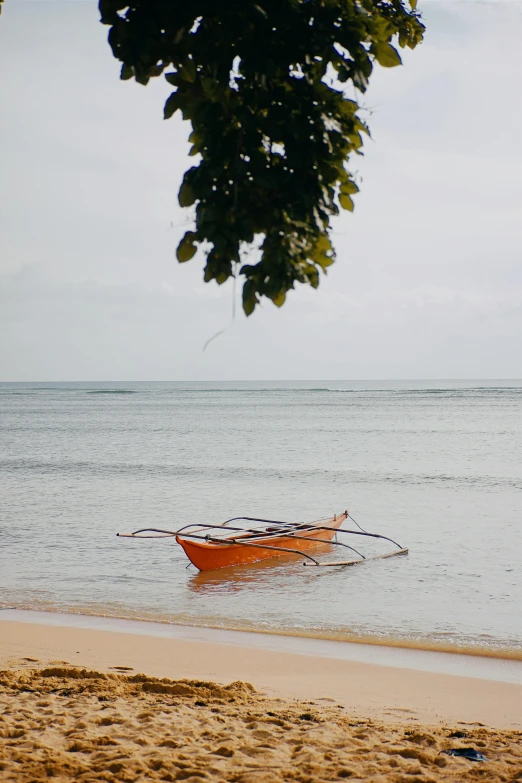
(208, 556)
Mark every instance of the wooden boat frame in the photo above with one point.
(263, 537)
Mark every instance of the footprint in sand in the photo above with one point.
(122, 668)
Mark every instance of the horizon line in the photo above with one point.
(270, 380)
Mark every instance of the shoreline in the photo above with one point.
(406, 657)
(421, 686)
(367, 640)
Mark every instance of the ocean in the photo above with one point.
(434, 465)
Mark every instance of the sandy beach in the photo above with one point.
(83, 704)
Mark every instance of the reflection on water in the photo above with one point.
(285, 567)
(235, 578)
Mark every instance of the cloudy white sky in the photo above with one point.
(428, 282)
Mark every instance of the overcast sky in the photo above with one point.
(428, 281)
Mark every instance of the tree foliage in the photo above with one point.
(263, 85)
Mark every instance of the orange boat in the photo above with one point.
(210, 547)
(250, 547)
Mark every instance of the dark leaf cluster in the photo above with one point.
(262, 84)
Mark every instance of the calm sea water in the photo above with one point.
(434, 465)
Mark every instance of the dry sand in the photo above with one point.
(315, 720)
(62, 723)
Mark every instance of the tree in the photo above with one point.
(263, 85)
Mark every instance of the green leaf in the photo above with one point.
(323, 243)
(186, 196)
(156, 70)
(413, 4)
(349, 187)
(249, 297)
(343, 74)
(279, 299)
(188, 72)
(127, 72)
(313, 280)
(346, 202)
(222, 277)
(324, 261)
(386, 55)
(186, 248)
(172, 104)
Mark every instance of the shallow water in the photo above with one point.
(434, 465)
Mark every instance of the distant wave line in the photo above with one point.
(353, 476)
(459, 392)
(182, 430)
(111, 391)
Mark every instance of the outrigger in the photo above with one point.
(210, 547)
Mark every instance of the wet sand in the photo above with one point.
(87, 705)
(361, 687)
